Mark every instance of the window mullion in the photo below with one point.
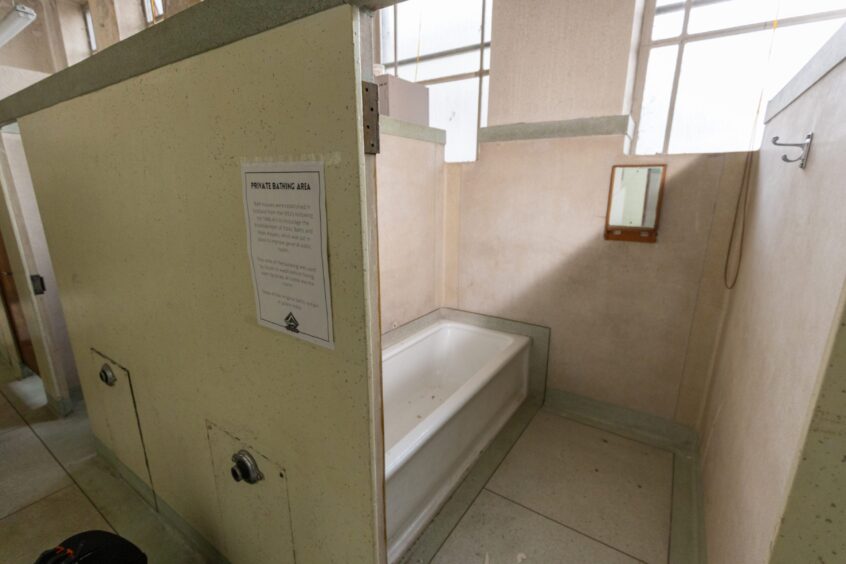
(679, 56)
(481, 75)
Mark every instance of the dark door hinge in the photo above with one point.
(370, 121)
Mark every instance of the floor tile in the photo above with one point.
(9, 418)
(69, 438)
(615, 490)
(28, 472)
(497, 531)
(129, 514)
(44, 524)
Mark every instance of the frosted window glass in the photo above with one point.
(793, 47)
(790, 8)
(720, 94)
(726, 83)
(656, 99)
(731, 13)
(429, 26)
(453, 107)
(386, 27)
(721, 15)
(488, 19)
(667, 25)
(442, 66)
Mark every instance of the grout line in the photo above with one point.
(485, 486)
(406, 558)
(673, 494)
(35, 502)
(586, 423)
(59, 462)
(548, 518)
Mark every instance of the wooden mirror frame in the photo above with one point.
(635, 234)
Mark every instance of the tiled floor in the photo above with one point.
(53, 484)
(565, 493)
(568, 492)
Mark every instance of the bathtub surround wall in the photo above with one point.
(147, 230)
(777, 338)
(631, 324)
(410, 199)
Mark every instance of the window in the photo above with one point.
(444, 44)
(153, 10)
(89, 28)
(711, 66)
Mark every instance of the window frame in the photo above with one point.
(88, 20)
(151, 17)
(480, 73)
(646, 45)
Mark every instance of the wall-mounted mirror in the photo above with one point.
(634, 202)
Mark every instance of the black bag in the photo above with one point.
(94, 547)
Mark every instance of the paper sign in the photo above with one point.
(286, 234)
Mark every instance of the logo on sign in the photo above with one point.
(291, 323)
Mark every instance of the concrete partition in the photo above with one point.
(139, 186)
(773, 431)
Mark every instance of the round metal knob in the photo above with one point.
(245, 468)
(107, 375)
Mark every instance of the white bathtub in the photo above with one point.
(447, 391)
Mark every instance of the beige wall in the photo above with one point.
(778, 328)
(562, 59)
(175, 6)
(148, 238)
(410, 189)
(531, 248)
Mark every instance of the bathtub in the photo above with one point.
(447, 391)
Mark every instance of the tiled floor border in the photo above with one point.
(167, 514)
(687, 534)
(686, 543)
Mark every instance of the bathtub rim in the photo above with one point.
(420, 434)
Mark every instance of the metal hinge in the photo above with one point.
(370, 121)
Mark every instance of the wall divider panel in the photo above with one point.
(139, 186)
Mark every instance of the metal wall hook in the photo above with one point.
(805, 146)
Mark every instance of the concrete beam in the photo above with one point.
(200, 28)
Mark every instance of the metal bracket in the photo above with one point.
(805, 146)
(370, 121)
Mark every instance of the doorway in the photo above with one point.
(14, 312)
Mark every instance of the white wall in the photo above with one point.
(778, 329)
(410, 175)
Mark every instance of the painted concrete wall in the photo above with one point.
(778, 330)
(13, 79)
(632, 324)
(410, 175)
(149, 243)
(562, 59)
